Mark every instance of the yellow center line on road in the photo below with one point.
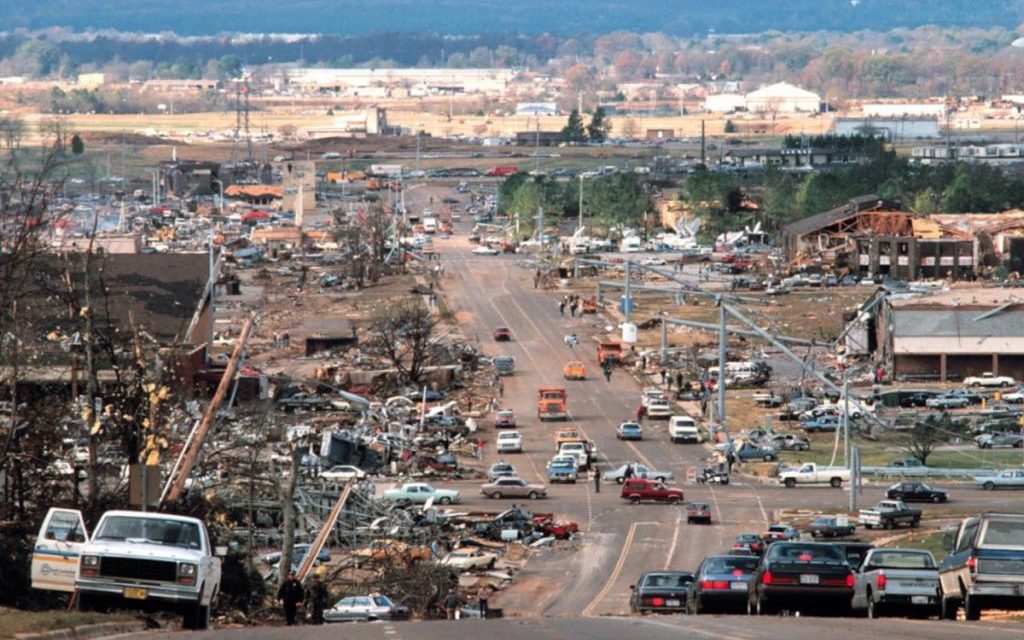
(627, 543)
(672, 547)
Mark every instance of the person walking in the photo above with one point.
(597, 479)
(640, 411)
(450, 603)
(561, 307)
(501, 389)
(290, 594)
(316, 599)
(607, 372)
(679, 380)
(481, 597)
(664, 374)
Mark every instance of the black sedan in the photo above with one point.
(660, 592)
(916, 492)
(801, 576)
(721, 584)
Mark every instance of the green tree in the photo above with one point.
(730, 127)
(599, 126)
(77, 146)
(617, 201)
(229, 66)
(573, 131)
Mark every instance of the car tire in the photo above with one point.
(445, 500)
(762, 607)
(948, 608)
(887, 525)
(836, 482)
(915, 523)
(874, 609)
(673, 500)
(988, 486)
(533, 495)
(634, 499)
(972, 611)
(496, 495)
(619, 480)
(769, 457)
(790, 483)
(696, 607)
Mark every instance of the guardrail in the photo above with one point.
(926, 472)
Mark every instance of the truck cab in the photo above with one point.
(985, 566)
(683, 429)
(155, 561)
(609, 351)
(551, 404)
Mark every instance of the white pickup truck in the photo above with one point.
(155, 560)
(811, 473)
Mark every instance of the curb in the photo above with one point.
(86, 631)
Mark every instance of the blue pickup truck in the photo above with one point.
(985, 566)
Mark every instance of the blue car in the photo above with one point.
(722, 584)
(629, 431)
(562, 470)
(821, 423)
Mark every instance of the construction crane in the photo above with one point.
(193, 445)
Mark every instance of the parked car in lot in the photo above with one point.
(985, 566)
(826, 422)
(638, 490)
(505, 419)
(368, 608)
(698, 512)
(469, 558)
(993, 440)
(639, 471)
(721, 584)
(888, 514)
(801, 576)
(563, 469)
(947, 402)
(1009, 479)
(660, 592)
(790, 442)
(510, 442)
(512, 487)
(502, 334)
(897, 581)
(830, 527)
(1014, 397)
(501, 469)
(989, 379)
(916, 492)
(420, 493)
(749, 451)
(629, 431)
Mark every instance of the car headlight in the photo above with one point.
(186, 569)
(90, 561)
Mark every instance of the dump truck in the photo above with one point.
(551, 404)
(609, 351)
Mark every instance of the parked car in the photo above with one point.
(420, 493)
(510, 442)
(469, 558)
(574, 370)
(985, 566)
(639, 471)
(502, 334)
(698, 512)
(993, 440)
(563, 469)
(989, 379)
(513, 488)
(368, 608)
(721, 584)
(916, 492)
(659, 408)
(426, 395)
(505, 419)
(343, 473)
(750, 542)
(906, 463)
(825, 422)
(790, 442)
(485, 250)
(801, 576)
(501, 469)
(811, 473)
(903, 581)
(1014, 397)
(830, 527)
(638, 490)
(1009, 479)
(629, 431)
(947, 402)
(748, 451)
(660, 592)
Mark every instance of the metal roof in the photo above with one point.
(846, 210)
(909, 323)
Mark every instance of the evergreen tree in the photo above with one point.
(77, 146)
(599, 126)
(573, 131)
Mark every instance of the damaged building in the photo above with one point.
(869, 236)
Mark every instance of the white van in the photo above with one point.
(683, 429)
(430, 224)
(631, 244)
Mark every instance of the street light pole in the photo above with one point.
(579, 223)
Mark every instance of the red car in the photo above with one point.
(560, 530)
(698, 512)
(502, 334)
(638, 489)
(505, 419)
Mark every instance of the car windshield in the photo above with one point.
(172, 533)
(900, 560)
(730, 564)
(805, 553)
(667, 580)
(1004, 533)
(778, 528)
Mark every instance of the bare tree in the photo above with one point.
(927, 435)
(405, 331)
(288, 515)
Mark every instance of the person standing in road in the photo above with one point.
(290, 595)
(664, 375)
(501, 389)
(316, 599)
(482, 596)
(450, 603)
(608, 373)
(561, 307)
(597, 479)
(679, 380)
(640, 411)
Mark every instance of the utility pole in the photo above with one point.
(703, 155)
(536, 145)
(722, 337)
(854, 477)
(540, 232)
(627, 300)
(846, 419)
(579, 223)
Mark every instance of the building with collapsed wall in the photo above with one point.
(869, 236)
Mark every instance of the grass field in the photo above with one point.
(879, 454)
